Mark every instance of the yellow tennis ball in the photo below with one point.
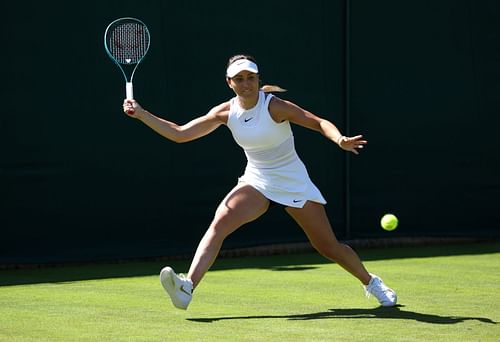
(389, 222)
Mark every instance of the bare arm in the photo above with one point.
(192, 130)
(284, 110)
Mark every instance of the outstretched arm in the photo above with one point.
(192, 130)
(284, 110)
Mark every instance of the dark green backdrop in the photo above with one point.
(80, 180)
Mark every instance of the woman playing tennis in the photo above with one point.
(260, 124)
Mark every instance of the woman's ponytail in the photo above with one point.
(272, 89)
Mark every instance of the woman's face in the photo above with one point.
(245, 83)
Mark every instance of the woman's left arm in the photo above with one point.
(282, 110)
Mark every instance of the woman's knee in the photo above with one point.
(332, 250)
(223, 224)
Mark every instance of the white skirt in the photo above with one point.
(287, 184)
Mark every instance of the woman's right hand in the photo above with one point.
(132, 108)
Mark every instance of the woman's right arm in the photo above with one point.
(192, 130)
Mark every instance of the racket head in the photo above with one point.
(127, 41)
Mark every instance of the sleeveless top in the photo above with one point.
(273, 166)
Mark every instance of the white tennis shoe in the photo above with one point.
(377, 288)
(178, 287)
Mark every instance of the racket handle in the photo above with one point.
(130, 91)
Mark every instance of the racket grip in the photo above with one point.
(130, 91)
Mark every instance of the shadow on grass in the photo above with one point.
(291, 262)
(292, 268)
(395, 312)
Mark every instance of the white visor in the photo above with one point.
(240, 65)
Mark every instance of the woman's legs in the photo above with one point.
(242, 205)
(313, 220)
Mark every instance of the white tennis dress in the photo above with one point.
(273, 166)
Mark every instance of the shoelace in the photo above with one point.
(377, 287)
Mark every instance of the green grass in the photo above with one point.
(447, 293)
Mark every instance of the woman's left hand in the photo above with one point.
(352, 144)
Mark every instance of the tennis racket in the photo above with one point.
(126, 41)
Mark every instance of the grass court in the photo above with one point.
(446, 293)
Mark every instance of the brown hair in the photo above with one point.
(267, 88)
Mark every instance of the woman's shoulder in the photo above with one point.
(222, 108)
(279, 108)
(221, 111)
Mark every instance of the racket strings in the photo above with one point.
(129, 42)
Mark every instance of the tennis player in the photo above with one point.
(260, 124)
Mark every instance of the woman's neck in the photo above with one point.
(248, 102)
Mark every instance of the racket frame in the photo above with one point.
(129, 88)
